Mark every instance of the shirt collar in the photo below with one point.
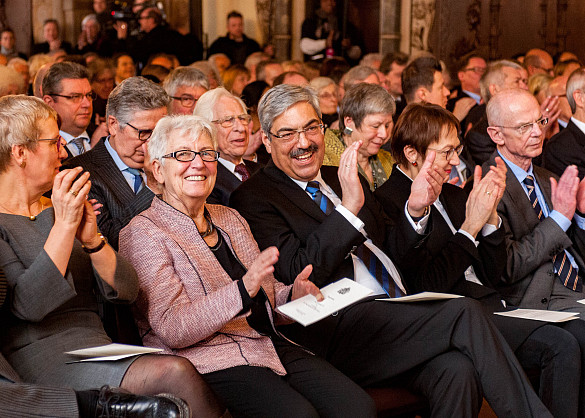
(228, 164)
(579, 124)
(519, 173)
(303, 184)
(68, 137)
(474, 96)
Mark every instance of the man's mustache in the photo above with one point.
(300, 151)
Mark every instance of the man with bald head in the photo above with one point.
(538, 61)
(544, 235)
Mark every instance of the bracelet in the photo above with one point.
(418, 218)
(101, 245)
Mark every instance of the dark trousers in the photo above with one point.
(311, 388)
(373, 341)
(557, 354)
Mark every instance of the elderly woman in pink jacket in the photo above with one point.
(207, 292)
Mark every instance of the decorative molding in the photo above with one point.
(494, 29)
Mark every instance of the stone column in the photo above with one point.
(390, 13)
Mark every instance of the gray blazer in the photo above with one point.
(529, 276)
(111, 189)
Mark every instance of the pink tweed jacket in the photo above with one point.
(187, 304)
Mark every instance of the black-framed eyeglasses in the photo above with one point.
(186, 155)
(77, 97)
(449, 153)
(229, 121)
(58, 140)
(311, 132)
(186, 100)
(143, 134)
(527, 127)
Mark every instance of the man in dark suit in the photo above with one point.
(228, 114)
(66, 89)
(568, 146)
(116, 163)
(370, 341)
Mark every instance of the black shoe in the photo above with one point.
(117, 403)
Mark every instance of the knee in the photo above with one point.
(178, 368)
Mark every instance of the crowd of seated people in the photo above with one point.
(148, 196)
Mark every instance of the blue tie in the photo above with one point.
(568, 275)
(372, 263)
(137, 178)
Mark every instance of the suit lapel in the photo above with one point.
(293, 193)
(111, 174)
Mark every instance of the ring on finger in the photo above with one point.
(488, 193)
(73, 192)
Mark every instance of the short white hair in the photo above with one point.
(207, 101)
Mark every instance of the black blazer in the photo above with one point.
(565, 148)
(111, 189)
(226, 182)
(439, 265)
(281, 214)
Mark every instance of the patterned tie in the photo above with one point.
(137, 178)
(242, 170)
(372, 263)
(568, 276)
(314, 189)
(78, 142)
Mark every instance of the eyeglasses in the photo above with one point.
(527, 127)
(311, 132)
(77, 97)
(143, 134)
(185, 155)
(477, 70)
(449, 153)
(57, 140)
(229, 121)
(327, 95)
(186, 100)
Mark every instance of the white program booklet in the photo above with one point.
(338, 295)
(422, 297)
(540, 315)
(111, 352)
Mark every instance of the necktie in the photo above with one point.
(242, 170)
(568, 276)
(372, 263)
(314, 189)
(137, 178)
(78, 142)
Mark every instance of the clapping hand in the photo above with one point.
(426, 187)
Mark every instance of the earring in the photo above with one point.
(23, 164)
(414, 163)
(347, 131)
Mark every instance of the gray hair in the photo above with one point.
(10, 78)
(133, 95)
(206, 103)
(370, 58)
(177, 125)
(278, 99)
(495, 76)
(362, 100)
(19, 123)
(357, 75)
(59, 72)
(185, 76)
(319, 83)
(89, 18)
(208, 69)
(576, 82)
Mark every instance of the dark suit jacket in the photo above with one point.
(226, 182)
(439, 265)
(280, 213)
(529, 276)
(111, 189)
(565, 148)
